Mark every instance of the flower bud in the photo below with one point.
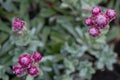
(18, 70)
(96, 10)
(17, 24)
(111, 14)
(36, 56)
(25, 60)
(93, 31)
(33, 71)
(88, 21)
(101, 20)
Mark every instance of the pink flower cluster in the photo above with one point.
(18, 24)
(99, 20)
(26, 64)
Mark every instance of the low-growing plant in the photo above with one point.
(58, 29)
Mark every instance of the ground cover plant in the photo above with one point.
(59, 40)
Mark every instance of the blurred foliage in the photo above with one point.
(57, 31)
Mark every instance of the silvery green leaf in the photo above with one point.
(105, 30)
(89, 4)
(69, 28)
(34, 44)
(101, 39)
(69, 65)
(99, 65)
(83, 72)
(47, 58)
(110, 34)
(86, 69)
(58, 57)
(79, 31)
(47, 12)
(71, 2)
(46, 32)
(29, 77)
(64, 5)
(66, 77)
(48, 69)
(21, 40)
(109, 66)
(5, 77)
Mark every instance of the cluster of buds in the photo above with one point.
(99, 20)
(18, 26)
(27, 64)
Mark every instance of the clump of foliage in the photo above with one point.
(56, 29)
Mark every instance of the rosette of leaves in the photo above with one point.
(86, 69)
(105, 58)
(76, 63)
(85, 47)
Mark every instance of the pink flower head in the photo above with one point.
(18, 70)
(88, 21)
(96, 10)
(111, 14)
(25, 60)
(101, 20)
(36, 56)
(18, 24)
(93, 31)
(33, 71)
